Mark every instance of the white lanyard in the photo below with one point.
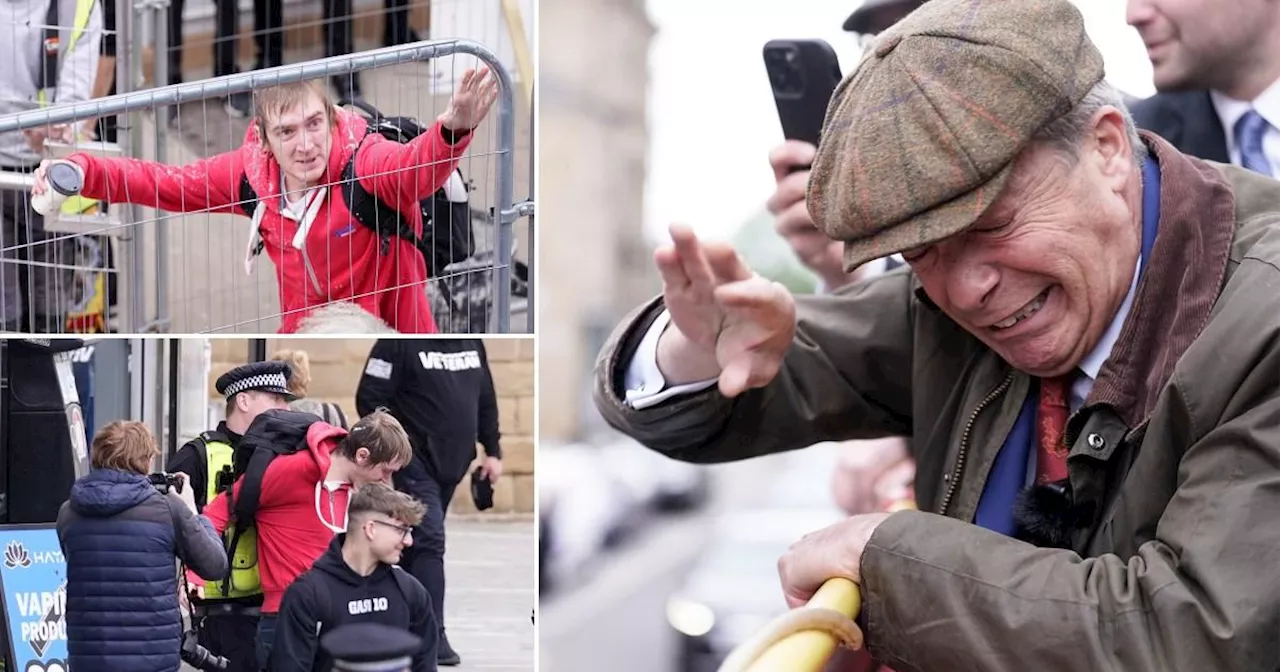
(321, 485)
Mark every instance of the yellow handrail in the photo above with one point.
(809, 646)
(809, 650)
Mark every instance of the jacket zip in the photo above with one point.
(958, 471)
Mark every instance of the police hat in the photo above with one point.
(874, 16)
(270, 377)
(371, 647)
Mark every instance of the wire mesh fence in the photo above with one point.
(181, 246)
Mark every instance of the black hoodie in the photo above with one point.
(331, 594)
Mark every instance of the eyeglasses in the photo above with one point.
(406, 531)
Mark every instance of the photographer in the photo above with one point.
(120, 535)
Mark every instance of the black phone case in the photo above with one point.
(803, 75)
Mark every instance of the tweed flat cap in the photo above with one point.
(921, 137)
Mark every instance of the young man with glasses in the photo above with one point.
(357, 582)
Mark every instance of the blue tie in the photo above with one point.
(1249, 131)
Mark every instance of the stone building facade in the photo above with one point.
(336, 365)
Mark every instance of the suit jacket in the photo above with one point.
(1187, 120)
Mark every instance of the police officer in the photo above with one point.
(228, 622)
(370, 647)
(442, 392)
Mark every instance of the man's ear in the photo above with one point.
(362, 456)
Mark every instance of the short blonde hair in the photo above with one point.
(125, 446)
(300, 364)
(382, 498)
(272, 101)
(382, 435)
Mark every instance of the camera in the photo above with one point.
(164, 482)
(199, 657)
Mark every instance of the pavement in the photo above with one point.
(208, 289)
(489, 565)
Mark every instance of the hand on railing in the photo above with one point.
(805, 638)
(802, 639)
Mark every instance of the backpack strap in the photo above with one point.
(333, 415)
(247, 199)
(327, 617)
(403, 579)
(371, 212)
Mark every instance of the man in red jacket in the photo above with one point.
(303, 502)
(294, 157)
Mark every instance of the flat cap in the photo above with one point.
(370, 647)
(921, 137)
(270, 377)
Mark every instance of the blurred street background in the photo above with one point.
(660, 111)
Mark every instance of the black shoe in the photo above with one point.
(445, 655)
(239, 105)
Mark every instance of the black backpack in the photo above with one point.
(273, 433)
(447, 237)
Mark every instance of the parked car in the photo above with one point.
(662, 483)
(733, 588)
(732, 591)
(583, 509)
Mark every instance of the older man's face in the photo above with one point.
(1041, 274)
(1202, 44)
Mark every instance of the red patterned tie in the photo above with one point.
(1051, 455)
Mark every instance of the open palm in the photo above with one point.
(471, 102)
(720, 306)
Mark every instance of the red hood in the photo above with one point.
(263, 170)
(322, 440)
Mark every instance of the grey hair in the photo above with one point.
(343, 317)
(1067, 132)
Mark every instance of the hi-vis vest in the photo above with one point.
(243, 580)
(48, 82)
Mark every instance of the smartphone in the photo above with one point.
(803, 74)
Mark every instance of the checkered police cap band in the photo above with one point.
(262, 381)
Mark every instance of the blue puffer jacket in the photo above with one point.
(119, 537)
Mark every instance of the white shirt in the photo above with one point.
(646, 386)
(1268, 106)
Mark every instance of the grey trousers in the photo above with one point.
(36, 285)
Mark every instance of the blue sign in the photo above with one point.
(33, 577)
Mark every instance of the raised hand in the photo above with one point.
(726, 321)
(471, 102)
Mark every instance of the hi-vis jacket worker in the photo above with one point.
(51, 57)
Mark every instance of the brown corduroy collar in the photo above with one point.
(1179, 287)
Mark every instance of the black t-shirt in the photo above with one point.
(441, 390)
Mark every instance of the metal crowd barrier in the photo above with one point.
(176, 273)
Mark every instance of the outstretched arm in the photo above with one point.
(208, 185)
(404, 174)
